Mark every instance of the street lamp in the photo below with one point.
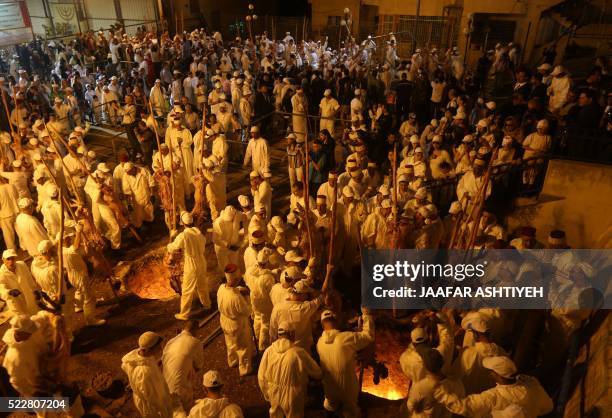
(347, 22)
(251, 17)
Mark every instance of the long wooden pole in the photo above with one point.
(327, 283)
(482, 197)
(173, 213)
(161, 160)
(8, 113)
(307, 191)
(60, 250)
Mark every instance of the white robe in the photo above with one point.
(22, 280)
(30, 233)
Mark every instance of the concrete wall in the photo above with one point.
(577, 198)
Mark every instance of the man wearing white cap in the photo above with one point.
(410, 360)
(226, 236)
(214, 97)
(234, 308)
(279, 380)
(260, 279)
(176, 88)
(195, 280)
(157, 97)
(51, 212)
(468, 365)
(357, 105)
(328, 109)
(257, 152)
(245, 108)
(28, 228)
(337, 353)
(299, 104)
(182, 358)
(24, 355)
(295, 158)
(537, 144)
(511, 389)
(432, 231)
(219, 150)
(259, 220)
(45, 272)
(17, 286)
(245, 214)
(73, 167)
(420, 199)
(149, 389)
(559, 89)
(171, 162)
(97, 186)
(256, 241)
(288, 277)
(19, 177)
(327, 189)
(8, 212)
(298, 310)
(110, 102)
(61, 111)
(214, 404)
(215, 180)
(179, 140)
(78, 275)
(471, 182)
(373, 229)
(262, 195)
(137, 185)
(297, 202)
(201, 141)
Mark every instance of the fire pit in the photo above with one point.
(149, 278)
(389, 347)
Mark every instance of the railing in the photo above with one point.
(511, 180)
(584, 145)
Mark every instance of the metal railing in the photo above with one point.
(584, 145)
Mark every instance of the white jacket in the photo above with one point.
(150, 392)
(215, 408)
(30, 233)
(299, 314)
(337, 351)
(183, 355)
(21, 279)
(283, 375)
(22, 362)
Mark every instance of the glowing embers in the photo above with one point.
(150, 278)
(388, 350)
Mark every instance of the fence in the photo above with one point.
(410, 32)
(231, 25)
(590, 146)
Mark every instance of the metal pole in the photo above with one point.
(525, 43)
(74, 3)
(416, 24)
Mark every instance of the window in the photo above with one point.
(498, 30)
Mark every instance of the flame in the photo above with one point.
(384, 391)
(388, 351)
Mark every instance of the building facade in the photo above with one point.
(471, 25)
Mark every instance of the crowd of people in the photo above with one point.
(381, 152)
